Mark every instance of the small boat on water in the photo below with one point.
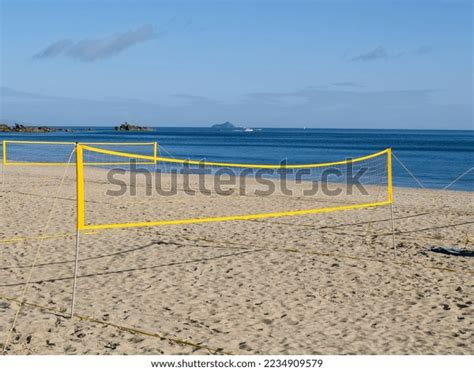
(248, 130)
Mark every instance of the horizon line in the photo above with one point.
(238, 128)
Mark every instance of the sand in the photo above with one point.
(314, 284)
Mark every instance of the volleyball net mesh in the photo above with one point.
(49, 153)
(143, 190)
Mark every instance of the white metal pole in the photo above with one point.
(393, 231)
(4, 159)
(155, 151)
(76, 265)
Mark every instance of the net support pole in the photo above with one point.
(390, 198)
(393, 231)
(4, 159)
(79, 218)
(76, 265)
(155, 155)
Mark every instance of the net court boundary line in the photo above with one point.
(42, 237)
(19, 239)
(61, 312)
(343, 256)
(241, 246)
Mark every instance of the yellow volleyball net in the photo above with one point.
(51, 153)
(180, 191)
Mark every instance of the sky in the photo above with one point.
(325, 64)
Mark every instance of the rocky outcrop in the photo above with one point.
(130, 127)
(19, 128)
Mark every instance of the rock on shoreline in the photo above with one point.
(130, 127)
(19, 128)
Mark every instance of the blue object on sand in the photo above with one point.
(452, 251)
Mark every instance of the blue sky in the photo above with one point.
(348, 64)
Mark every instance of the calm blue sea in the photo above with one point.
(435, 157)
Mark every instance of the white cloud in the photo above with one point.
(89, 50)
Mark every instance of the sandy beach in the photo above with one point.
(313, 284)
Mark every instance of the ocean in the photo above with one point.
(435, 157)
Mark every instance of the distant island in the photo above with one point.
(226, 126)
(130, 127)
(19, 128)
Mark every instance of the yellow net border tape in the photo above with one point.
(81, 222)
(230, 164)
(28, 163)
